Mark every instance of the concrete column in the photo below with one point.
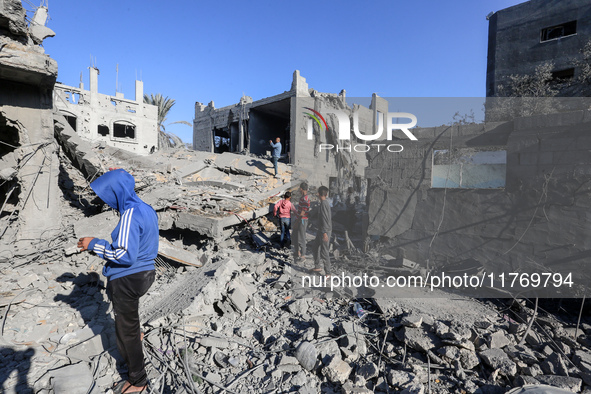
(93, 82)
(241, 135)
(299, 85)
(139, 91)
(94, 104)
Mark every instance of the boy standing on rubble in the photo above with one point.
(284, 207)
(129, 267)
(301, 224)
(324, 232)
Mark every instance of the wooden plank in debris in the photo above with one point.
(168, 250)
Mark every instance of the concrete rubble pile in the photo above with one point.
(226, 314)
(234, 323)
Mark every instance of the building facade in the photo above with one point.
(130, 125)
(249, 125)
(530, 34)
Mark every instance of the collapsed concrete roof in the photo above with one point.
(199, 191)
(21, 60)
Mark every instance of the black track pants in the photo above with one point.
(125, 294)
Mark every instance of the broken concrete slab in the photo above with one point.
(418, 339)
(337, 370)
(582, 358)
(323, 325)
(400, 379)
(498, 339)
(554, 365)
(191, 168)
(71, 379)
(498, 359)
(571, 384)
(89, 349)
(368, 371)
(177, 254)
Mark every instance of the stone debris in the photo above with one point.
(226, 325)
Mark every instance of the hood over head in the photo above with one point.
(116, 189)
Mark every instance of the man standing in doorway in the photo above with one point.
(276, 154)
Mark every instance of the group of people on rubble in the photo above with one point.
(284, 209)
(129, 257)
(297, 217)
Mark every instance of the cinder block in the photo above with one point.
(545, 158)
(528, 159)
(558, 144)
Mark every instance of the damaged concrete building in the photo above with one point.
(249, 125)
(28, 152)
(131, 125)
(511, 196)
(525, 36)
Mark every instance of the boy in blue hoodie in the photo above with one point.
(129, 266)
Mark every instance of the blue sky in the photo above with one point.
(217, 50)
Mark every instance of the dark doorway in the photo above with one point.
(268, 122)
(221, 140)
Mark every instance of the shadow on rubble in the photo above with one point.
(21, 363)
(262, 166)
(87, 297)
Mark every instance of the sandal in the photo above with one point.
(118, 388)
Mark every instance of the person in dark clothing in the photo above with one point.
(129, 267)
(276, 154)
(301, 223)
(321, 243)
(350, 210)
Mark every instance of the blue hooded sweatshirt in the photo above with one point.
(135, 239)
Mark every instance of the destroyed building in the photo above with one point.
(28, 152)
(131, 125)
(524, 36)
(249, 125)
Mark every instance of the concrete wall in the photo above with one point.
(539, 219)
(92, 110)
(515, 47)
(316, 164)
